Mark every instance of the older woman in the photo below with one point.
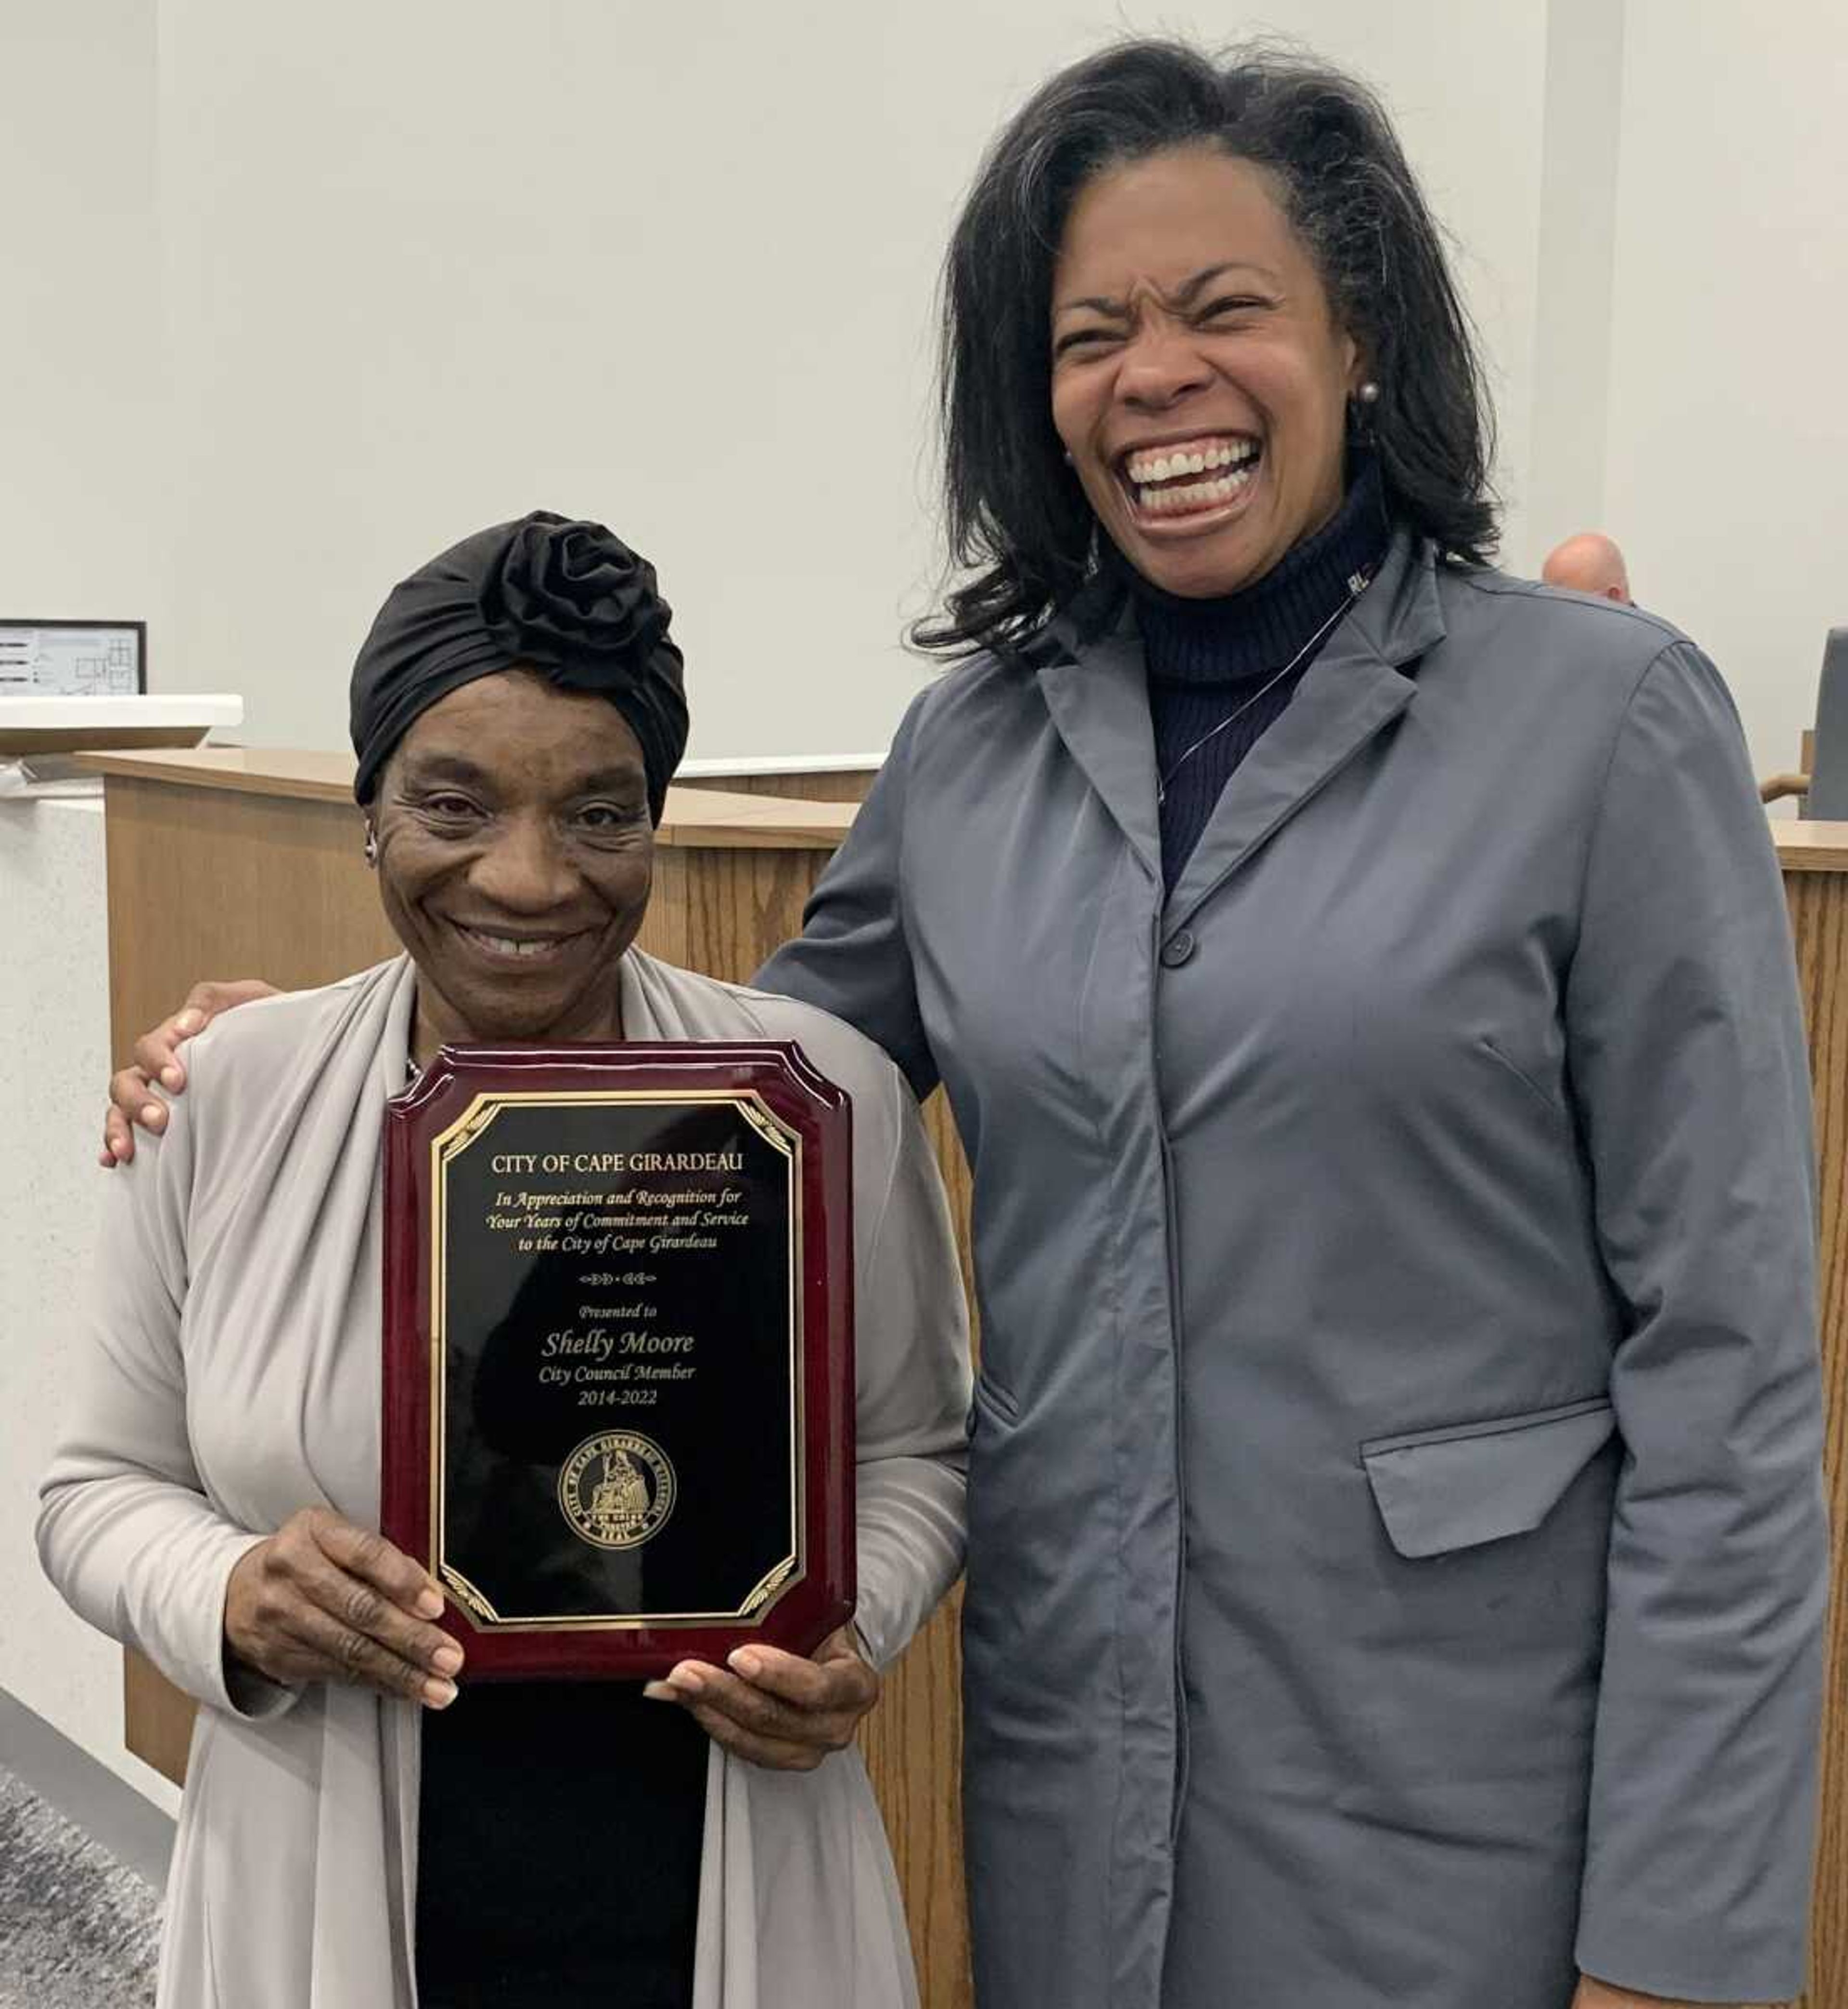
(517, 713)
(1397, 1559)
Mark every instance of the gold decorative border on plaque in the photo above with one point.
(772, 1581)
(468, 1594)
(468, 1130)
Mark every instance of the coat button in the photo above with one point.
(1177, 949)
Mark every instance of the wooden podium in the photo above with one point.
(230, 863)
(1814, 858)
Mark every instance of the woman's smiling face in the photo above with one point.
(515, 857)
(1199, 380)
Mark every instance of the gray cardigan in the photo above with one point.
(233, 1377)
(1397, 1558)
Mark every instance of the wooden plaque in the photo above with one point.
(618, 1420)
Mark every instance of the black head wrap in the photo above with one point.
(566, 599)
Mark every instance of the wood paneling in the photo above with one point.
(839, 785)
(1810, 847)
(1819, 921)
(256, 885)
(218, 880)
(703, 818)
(157, 1718)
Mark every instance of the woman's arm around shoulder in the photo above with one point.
(853, 957)
(137, 1092)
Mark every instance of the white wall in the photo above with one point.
(407, 269)
(1569, 439)
(82, 437)
(434, 263)
(1727, 453)
(55, 1026)
(82, 470)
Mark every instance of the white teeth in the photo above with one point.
(1195, 495)
(1143, 468)
(508, 945)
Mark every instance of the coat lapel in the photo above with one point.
(1353, 691)
(1095, 690)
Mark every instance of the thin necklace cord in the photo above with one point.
(1357, 585)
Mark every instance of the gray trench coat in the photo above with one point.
(1397, 1555)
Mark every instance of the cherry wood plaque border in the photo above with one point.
(803, 1614)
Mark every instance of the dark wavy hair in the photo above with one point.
(1016, 516)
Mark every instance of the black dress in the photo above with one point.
(559, 1831)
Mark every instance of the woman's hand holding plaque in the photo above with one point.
(323, 1600)
(777, 1710)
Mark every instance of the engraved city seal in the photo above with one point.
(616, 1490)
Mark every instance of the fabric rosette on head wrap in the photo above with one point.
(565, 598)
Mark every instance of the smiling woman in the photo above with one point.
(1195, 258)
(1173, 361)
(511, 838)
(1363, 986)
(517, 714)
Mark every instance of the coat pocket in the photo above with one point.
(1474, 1482)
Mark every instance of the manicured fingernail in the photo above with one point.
(151, 1113)
(118, 1147)
(660, 1691)
(170, 1075)
(687, 1681)
(447, 1659)
(429, 1603)
(746, 1662)
(188, 1022)
(439, 1694)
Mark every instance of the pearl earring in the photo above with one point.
(1369, 393)
(372, 846)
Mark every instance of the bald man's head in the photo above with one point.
(1589, 563)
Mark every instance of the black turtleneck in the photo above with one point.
(1207, 657)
